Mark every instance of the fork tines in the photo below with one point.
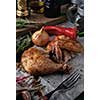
(71, 80)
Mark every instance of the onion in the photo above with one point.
(40, 37)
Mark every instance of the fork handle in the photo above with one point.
(47, 96)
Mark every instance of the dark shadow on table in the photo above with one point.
(80, 97)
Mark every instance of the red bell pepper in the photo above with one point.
(58, 30)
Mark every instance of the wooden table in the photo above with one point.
(39, 20)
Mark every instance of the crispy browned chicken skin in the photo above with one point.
(62, 42)
(37, 62)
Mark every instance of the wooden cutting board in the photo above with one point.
(39, 20)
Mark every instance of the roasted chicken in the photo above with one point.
(37, 62)
(63, 42)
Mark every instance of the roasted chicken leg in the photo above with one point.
(37, 62)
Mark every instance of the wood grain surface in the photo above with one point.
(39, 20)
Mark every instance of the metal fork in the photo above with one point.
(66, 84)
